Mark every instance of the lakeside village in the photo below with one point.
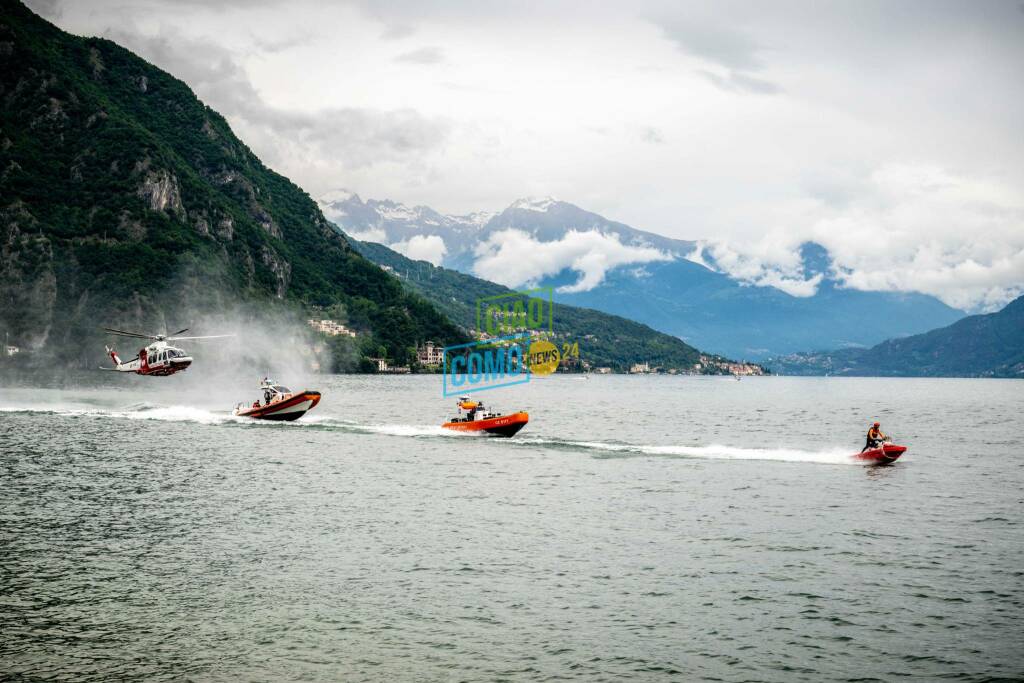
(430, 356)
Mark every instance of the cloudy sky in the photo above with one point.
(890, 132)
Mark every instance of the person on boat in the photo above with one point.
(256, 403)
(875, 437)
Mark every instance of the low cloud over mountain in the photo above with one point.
(711, 295)
(515, 258)
(889, 135)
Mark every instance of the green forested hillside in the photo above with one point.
(990, 345)
(604, 340)
(125, 201)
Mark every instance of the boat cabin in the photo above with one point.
(475, 411)
(274, 392)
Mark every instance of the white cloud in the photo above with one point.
(890, 134)
(422, 248)
(907, 228)
(514, 258)
(424, 55)
(770, 263)
(372, 235)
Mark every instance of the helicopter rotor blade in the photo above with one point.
(179, 332)
(122, 333)
(211, 336)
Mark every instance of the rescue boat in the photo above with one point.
(279, 403)
(477, 419)
(882, 455)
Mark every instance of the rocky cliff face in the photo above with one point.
(117, 185)
(28, 285)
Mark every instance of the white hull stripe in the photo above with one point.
(300, 407)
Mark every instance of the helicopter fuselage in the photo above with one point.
(158, 359)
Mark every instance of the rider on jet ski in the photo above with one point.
(875, 437)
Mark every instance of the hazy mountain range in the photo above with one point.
(604, 340)
(656, 280)
(990, 345)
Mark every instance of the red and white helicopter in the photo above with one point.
(158, 358)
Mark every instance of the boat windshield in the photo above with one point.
(282, 390)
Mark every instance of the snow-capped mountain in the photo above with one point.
(542, 219)
(549, 220)
(613, 267)
(418, 232)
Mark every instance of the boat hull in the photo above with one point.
(291, 408)
(503, 425)
(883, 455)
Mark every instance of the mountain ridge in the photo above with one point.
(604, 339)
(124, 199)
(653, 280)
(985, 345)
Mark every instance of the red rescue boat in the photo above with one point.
(280, 403)
(882, 455)
(476, 420)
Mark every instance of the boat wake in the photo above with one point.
(389, 429)
(138, 411)
(598, 449)
(172, 413)
(603, 449)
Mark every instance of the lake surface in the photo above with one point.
(639, 528)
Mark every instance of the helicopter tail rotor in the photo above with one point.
(113, 355)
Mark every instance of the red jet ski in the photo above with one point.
(485, 422)
(882, 455)
(279, 403)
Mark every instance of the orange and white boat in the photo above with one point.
(279, 403)
(478, 419)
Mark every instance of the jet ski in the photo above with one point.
(478, 419)
(883, 454)
(279, 403)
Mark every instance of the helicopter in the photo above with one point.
(159, 358)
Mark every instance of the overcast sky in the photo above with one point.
(890, 132)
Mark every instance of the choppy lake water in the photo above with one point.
(639, 528)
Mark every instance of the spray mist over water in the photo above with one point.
(266, 343)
